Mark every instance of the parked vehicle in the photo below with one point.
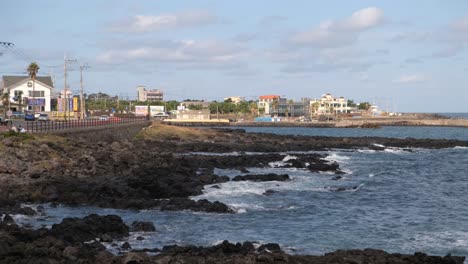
(29, 117)
(104, 118)
(43, 117)
(160, 115)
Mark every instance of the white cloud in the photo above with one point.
(148, 23)
(364, 18)
(185, 53)
(334, 33)
(410, 78)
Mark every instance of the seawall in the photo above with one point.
(105, 133)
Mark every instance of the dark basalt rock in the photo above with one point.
(270, 247)
(126, 246)
(90, 227)
(138, 226)
(263, 177)
(269, 192)
(203, 205)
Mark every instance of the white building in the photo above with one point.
(235, 99)
(269, 104)
(32, 99)
(329, 105)
(144, 95)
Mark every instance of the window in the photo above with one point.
(36, 93)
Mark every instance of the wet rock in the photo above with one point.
(203, 205)
(126, 246)
(105, 238)
(138, 226)
(133, 258)
(89, 228)
(263, 177)
(270, 247)
(140, 238)
(337, 178)
(7, 219)
(215, 186)
(269, 192)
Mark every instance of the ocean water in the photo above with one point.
(455, 115)
(394, 200)
(460, 133)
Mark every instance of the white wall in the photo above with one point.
(38, 87)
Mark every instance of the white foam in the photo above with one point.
(366, 151)
(336, 157)
(460, 147)
(448, 240)
(289, 157)
(379, 145)
(394, 150)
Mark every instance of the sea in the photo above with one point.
(392, 199)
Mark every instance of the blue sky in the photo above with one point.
(405, 56)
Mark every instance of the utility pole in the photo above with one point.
(65, 85)
(82, 102)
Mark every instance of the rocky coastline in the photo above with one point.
(162, 167)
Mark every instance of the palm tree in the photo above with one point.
(275, 105)
(19, 98)
(290, 104)
(253, 109)
(5, 99)
(33, 68)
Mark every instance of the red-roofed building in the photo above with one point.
(269, 98)
(268, 104)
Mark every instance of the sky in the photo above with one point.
(404, 56)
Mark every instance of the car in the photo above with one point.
(43, 117)
(29, 117)
(104, 118)
(160, 115)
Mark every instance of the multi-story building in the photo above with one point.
(235, 99)
(23, 95)
(329, 105)
(144, 95)
(269, 104)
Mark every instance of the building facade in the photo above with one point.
(328, 104)
(235, 99)
(144, 95)
(269, 104)
(24, 96)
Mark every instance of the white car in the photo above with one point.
(43, 117)
(104, 118)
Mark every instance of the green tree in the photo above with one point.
(195, 107)
(275, 105)
(351, 103)
(315, 107)
(32, 70)
(364, 106)
(253, 108)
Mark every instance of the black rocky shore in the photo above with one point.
(161, 173)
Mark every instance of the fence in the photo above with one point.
(50, 126)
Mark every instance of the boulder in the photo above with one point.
(262, 177)
(139, 226)
(90, 227)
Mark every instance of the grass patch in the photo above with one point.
(159, 131)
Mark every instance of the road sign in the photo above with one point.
(9, 113)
